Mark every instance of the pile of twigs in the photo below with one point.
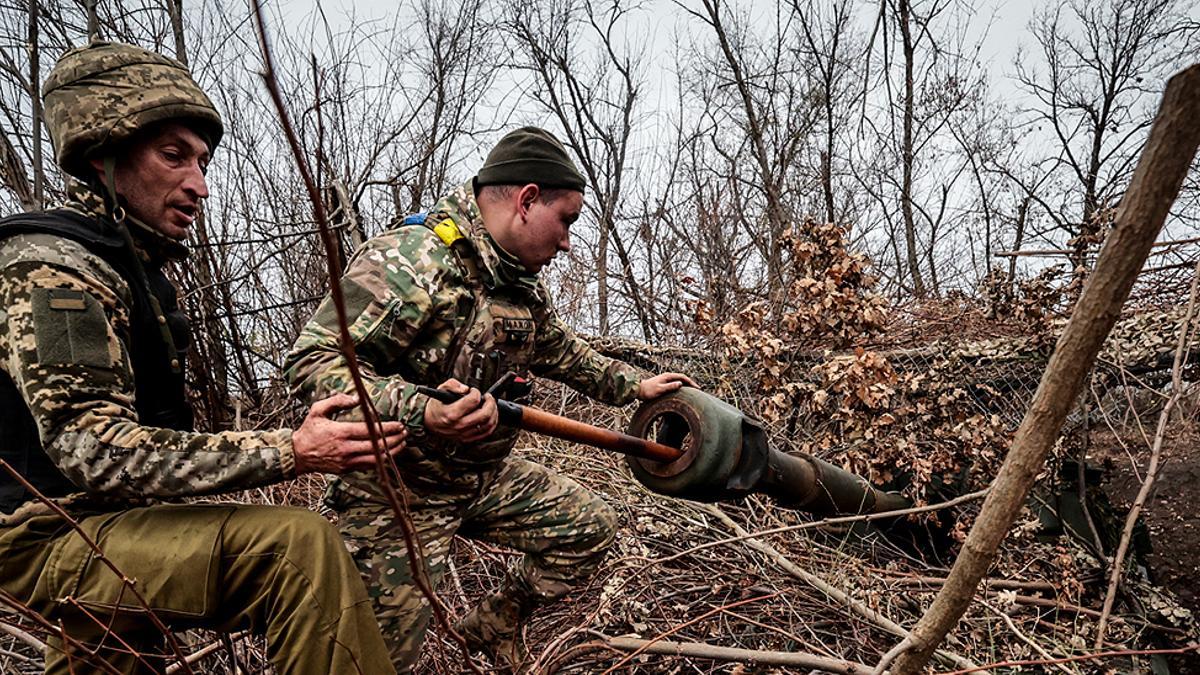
(689, 589)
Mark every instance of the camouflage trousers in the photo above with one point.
(280, 572)
(563, 530)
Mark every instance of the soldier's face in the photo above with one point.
(547, 229)
(161, 178)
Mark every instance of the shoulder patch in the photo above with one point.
(69, 328)
(448, 231)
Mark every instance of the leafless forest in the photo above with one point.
(844, 217)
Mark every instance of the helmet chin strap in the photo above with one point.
(120, 217)
(113, 206)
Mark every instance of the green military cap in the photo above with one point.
(530, 155)
(100, 95)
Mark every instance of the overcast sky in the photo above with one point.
(1005, 24)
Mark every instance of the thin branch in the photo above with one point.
(860, 608)
(31, 641)
(1073, 659)
(839, 520)
(648, 644)
(391, 483)
(126, 582)
(1118, 560)
(752, 656)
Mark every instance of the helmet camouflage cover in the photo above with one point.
(100, 95)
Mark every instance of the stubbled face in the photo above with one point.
(545, 229)
(161, 178)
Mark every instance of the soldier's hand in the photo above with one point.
(323, 445)
(469, 419)
(663, 383)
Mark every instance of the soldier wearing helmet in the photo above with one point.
(95, 417)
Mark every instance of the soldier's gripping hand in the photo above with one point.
(472, 417)
(323, 445)
(663, 383)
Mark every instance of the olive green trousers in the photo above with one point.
(282, 572)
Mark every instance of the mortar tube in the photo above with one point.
(806, 483)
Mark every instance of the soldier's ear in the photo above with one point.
(526, 196)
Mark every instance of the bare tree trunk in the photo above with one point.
(1164, 163)
(1018, 240)
(93, 20)
(827, 176)
(904, 17)
(35, 79)
(776, 214)
(12, 174)
(602, 281)
(175, 10)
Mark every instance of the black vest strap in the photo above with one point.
(161, 397)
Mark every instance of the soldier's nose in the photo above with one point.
(195, 183)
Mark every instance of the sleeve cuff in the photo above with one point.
(414, 418)
(287, 455)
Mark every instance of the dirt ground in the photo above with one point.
(1171, 514)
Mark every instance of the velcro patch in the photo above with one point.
(518, 325)
(70, 328)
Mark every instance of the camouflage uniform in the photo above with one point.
(427, 302)
(66, 357)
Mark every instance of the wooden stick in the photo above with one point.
(860, 608)
(30, 640)
(206, 650)
(1164, 163)
(1012, 626)
(1081, 657)
(647, 644)
(702, 650)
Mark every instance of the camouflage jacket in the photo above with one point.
(71, 363)
(416, 317)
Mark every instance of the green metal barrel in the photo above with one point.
(726, 456)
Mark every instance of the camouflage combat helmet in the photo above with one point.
(99, 95)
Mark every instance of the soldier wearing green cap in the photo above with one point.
(452, 298)
(96, 418)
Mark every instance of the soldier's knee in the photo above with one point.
(305, 528)
(303, 534)
(601, 526)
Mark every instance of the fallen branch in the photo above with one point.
(1002, 584)
(21, 636)
(825, 587)
(649, 643)
(206, 650)
(1012, 626)
(1072, 659)
(839, 520)
(750, 656)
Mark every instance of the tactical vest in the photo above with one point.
(496, 335)
(160, 394)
